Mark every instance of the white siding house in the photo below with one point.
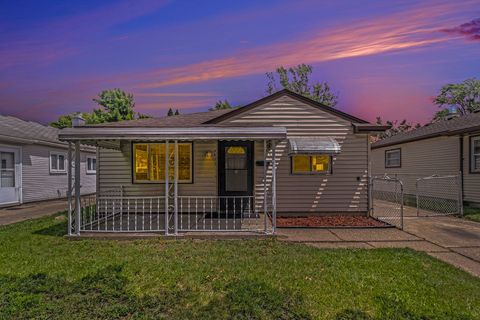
(447, 147)
(33, 163)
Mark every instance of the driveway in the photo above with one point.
(32, 210)
(449, 239)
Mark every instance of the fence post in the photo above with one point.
(417, 198)
(401, 199)
(460, 194)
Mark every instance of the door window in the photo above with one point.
(7, 169)
(236, 170)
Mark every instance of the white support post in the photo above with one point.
(175, 187)
(78, 205)
(274, 187)
(265, 184)
(166, 185)
(69, 187)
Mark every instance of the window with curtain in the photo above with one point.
(149, 162)
(311, 164)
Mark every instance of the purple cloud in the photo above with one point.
(470, 30)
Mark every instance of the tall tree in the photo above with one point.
(170, 112)
(116, 105)
(297, 79)
(464, 97)
(220, 105)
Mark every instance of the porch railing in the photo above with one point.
(113, 213)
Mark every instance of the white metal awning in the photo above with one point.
(313, 145)
(188, 133)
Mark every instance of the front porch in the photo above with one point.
(167, 202)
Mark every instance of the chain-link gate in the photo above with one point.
(439, 195)
(386, 200)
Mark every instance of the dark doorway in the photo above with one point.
(235, 175)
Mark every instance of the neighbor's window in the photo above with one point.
(57, 162)
(302, 164)
(475, 154)
(149, 162)
(393, 158)
(91, 165)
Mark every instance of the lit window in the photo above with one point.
(302, 164)
(149, 161)
(57, 162)
(393, 158)
(91, 165)
(475, 154)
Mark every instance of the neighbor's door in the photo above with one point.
(235, 173)
(9, 184)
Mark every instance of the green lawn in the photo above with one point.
(44, 276)
(471, 213)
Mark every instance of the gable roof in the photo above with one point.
(12, 128)
(468, 123)
(215, 118)
(293, 95)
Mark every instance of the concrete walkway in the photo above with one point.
(449, 239)
(29, 211)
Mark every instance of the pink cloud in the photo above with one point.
(414, 28)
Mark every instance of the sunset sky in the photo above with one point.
(383, 58)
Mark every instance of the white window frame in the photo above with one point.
(57, 154)
(387, 165)
(91, 171)
(474, 155)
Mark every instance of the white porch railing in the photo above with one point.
(113, 213)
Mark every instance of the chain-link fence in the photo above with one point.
(439, 195)
(386, 200)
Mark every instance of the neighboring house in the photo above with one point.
(447, 147)
(225, 164)
(33, 163)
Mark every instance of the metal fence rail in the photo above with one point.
(113, 213)
(439, 195)
(386, 199)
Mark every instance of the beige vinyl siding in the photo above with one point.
(420, 158)
(471, 181)
(321, 193)
(38, 183)
(115, 170)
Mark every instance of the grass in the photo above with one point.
(45, 276)
(471, 213)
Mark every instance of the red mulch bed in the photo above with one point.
(329, 221)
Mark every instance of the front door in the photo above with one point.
(235, 173)
(9, 191)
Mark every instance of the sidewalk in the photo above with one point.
(352, 238)
(32, 210)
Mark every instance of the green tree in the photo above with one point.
(464, 97)
(170, 112)
(176, 112)
(221, 105)
(297, 79)
(116, 105)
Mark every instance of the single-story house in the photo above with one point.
(447, 147)
(33, 163)
(226, 170)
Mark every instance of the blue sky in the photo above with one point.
(383, 58)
